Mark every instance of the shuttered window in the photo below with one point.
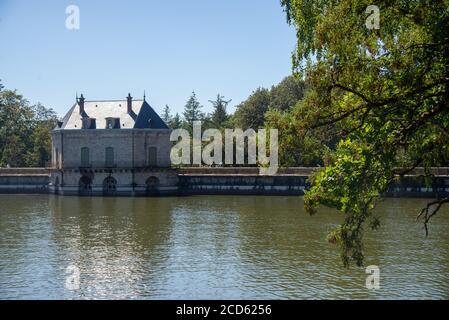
(56, 158)
(85, 161)
(109, 157)
(152, 156)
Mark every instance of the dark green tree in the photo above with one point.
(44, 121)
(287, 93)
(16, 118)
(219, 115)
(166, 115)
(24, 131)
(192, 111)
(176, 122)
(251, 112)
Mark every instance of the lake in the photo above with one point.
(210, 247)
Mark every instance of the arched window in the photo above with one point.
(85, 157)
(109, 157)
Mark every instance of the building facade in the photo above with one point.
(119, 147)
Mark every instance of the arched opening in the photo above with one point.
(85, 186)
(109, 186)
(152, 184)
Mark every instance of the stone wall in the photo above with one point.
(24, 183)
(130, 147)
(197, 181)
(242, 184)
(127, 182)
(195, 184)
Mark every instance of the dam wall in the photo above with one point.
(231, 181)
(24, 180)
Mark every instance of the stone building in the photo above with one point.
(119, 147)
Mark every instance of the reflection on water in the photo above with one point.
(209, 247)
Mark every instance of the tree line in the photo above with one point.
(264, 108)
(25, 139)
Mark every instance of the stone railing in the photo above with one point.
(297, 171)
(25, 171)
(238, 171)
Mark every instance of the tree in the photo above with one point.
(15, 128)
(166, 115)
(251, 112)
(176, 122)
(192, 111)
(45, 120)
(299, 146)
(219, 116)
(386, 90)
(24, 131)
(287, 93)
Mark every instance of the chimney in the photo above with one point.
(130, 103)
(81, 103)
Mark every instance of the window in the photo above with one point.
(85, 161)
(112, 123)
(152, 157)
(56, 158)
(89, 123)
(109, 157)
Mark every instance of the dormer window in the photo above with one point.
(89, 123)
(112, 123)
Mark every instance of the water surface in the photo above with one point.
(210, 247)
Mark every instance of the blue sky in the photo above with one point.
(167, 48)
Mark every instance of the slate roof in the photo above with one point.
(142, 112)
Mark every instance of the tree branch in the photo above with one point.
(426, 214)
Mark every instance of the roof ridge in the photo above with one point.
(112, 100)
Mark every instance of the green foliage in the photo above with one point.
(176, 122)
(251, 112)
(24, 131)
(298, 145)
(192, 111)
(219, 115)
(383, 92)
(166, 115)
(287, 93)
